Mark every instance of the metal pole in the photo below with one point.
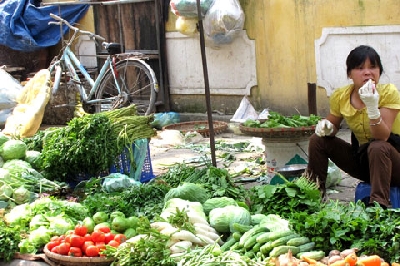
(207, 86)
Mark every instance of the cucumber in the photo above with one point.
(250, 254)
(255, 230)
(297, 241)
(241, 228)
(228, 244)
(282, 240)
(250, 242)
(256, 247)
(276, 251)
(263, 238)
(235, 246)
(266, 248)
(307, 247)
(236, 236)
(274, 235)
(315, 255)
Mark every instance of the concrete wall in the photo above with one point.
(286, 34)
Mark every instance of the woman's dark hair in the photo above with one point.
(358, 56)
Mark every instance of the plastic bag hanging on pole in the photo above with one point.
(188, 8)
(224, 21)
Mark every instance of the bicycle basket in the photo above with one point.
(114, 48)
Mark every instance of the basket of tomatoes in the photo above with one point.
(79, 247)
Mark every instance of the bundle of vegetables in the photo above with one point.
(90, 144)
(38, 221)
(19, 173)
(277, 120)
(216, 181)
(285, 199)
(145, 199)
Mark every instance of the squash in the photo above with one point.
(372, 260)
(351, 259)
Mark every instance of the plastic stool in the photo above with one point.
(363, 190)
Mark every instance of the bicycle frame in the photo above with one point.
(72, 63)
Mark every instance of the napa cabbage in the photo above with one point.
(188, 191)
(222, 218)
(219, 202)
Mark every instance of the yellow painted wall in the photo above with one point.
(284, 32)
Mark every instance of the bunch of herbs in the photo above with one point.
(285, 199)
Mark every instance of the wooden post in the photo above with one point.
(312, 98)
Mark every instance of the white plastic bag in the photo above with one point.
(9, 90)
(244, 112)
(224, 21)
(188, 8)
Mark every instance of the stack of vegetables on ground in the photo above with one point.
(199, 216)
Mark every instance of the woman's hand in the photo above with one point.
(370, 96)
(324, 128)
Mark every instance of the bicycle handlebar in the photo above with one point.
(61, 20)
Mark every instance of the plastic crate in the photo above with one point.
(363, 190)
(141, 151)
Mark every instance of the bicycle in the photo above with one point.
(123, 79)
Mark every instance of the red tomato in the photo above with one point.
(62, 238)
(75, 252)
(88, 237)
(63, 248)
(55, 238)
(104, 229)
(101, 246)
(67, 238)
(80, 230)
(108, 237)
(114, 243)
(77, 241)
(55, 249)
(98, 236)
(86, 245)
(92, 251)
(120, 238)
(52, 244)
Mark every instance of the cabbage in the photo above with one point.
(188, 191)
(275, 223)
(13, 149)
(4, 173)
(222, 218)
(3, 138)
(213, 203)
(5, 192)
(21, 195)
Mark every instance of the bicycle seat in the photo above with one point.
(113, 48)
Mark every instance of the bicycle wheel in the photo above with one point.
(138, 86)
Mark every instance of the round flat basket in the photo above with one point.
(61, 260)
(198, 126)
(278, 133)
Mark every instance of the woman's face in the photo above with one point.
(361, 74)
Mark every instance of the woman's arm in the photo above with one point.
(381, 127)
(336, 122)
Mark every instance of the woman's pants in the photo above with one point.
(383, 159)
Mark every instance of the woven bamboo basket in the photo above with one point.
(278, 133)
(201, 127)
(60, 260)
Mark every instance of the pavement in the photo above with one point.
(170, 147)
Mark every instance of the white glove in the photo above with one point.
(324, 128)
(370, 96)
